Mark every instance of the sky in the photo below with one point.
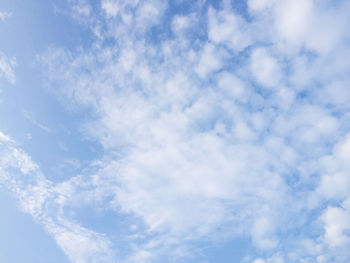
(175, 131)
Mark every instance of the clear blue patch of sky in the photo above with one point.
(232, 251)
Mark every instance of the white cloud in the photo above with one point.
(229, 29)
(30, 117)
(336, 93)
(79, 244)
(82, 10)
(335, 186)
(262, 235)
(337, 221)
(110, 7)
(260, 5)
(232, 86)
(293, 19)
(265, 68)
(295, 24)
(135, 15)
(6, 68)
(149, 13)
(37, 197)
(211, 60)
(182, 24)
(4, 138)
(342, 152)
(4, 16)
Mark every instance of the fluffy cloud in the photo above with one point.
(337, 221)
(265, 68)
(228, 28)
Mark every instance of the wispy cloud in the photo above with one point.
(4, 16)
(41, 199)
(30, 117)
(7, 68)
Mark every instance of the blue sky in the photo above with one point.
(175, 131)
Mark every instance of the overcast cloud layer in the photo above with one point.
(216, 121)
